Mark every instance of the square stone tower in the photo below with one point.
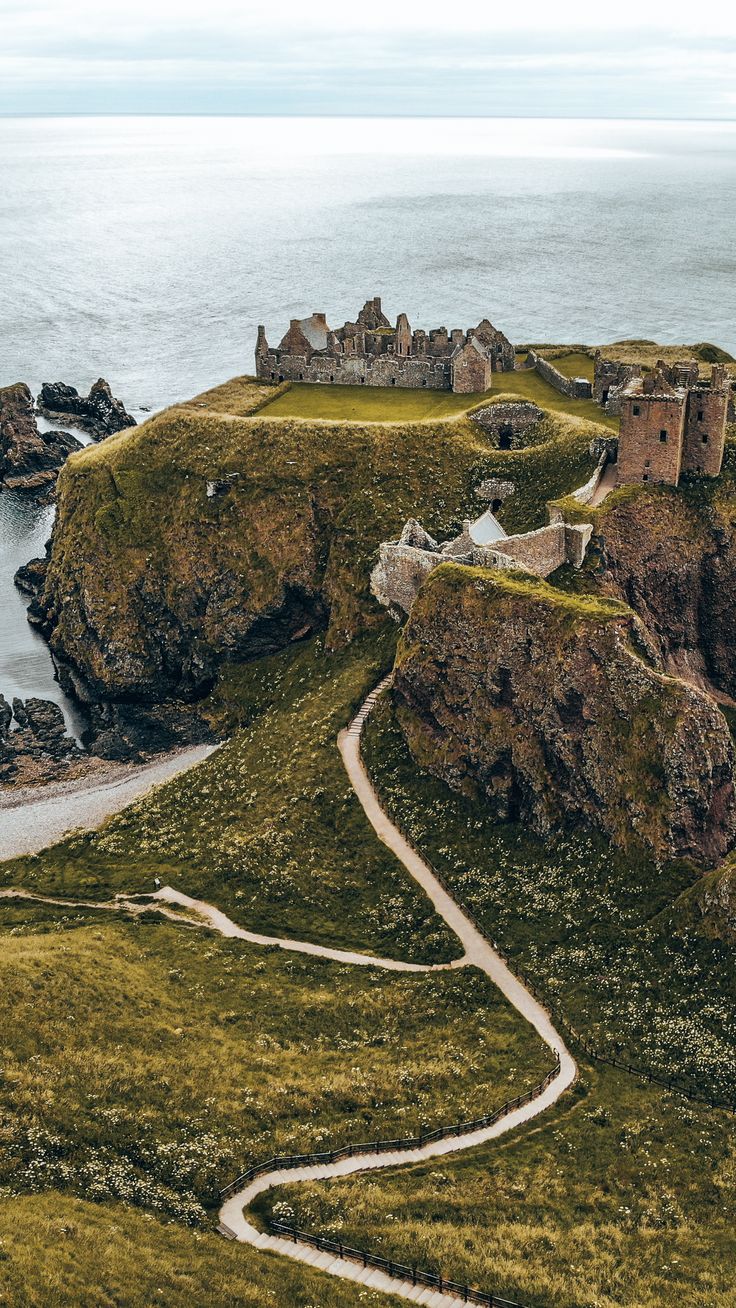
(705, 424)
(652, 430)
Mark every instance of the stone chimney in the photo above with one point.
(262, 343)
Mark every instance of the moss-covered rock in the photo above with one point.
(207, 535)
(554, 708)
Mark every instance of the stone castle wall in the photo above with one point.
(705, 424)
(358, 370)
(650, 440)
(610, 379)
(576, 388)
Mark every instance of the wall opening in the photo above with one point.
(505, 436)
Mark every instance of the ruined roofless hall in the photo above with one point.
(370, 352)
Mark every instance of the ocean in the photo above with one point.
(147, 250)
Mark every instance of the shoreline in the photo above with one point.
(34, 817)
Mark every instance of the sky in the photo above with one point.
(623, 58)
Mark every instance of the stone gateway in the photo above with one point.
(370, 352)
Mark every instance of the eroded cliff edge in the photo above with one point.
(214, 533)
(556, 708)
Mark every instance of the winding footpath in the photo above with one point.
(478, 953)
(196, 914)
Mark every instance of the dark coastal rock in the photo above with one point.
(29, 459)
(99, 413)
(133, 733)
(555, 709)
(34, 744)
(31, 576)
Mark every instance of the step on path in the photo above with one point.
(479, 953)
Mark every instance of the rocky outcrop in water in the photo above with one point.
(555, 709)
(99, 413)
(29, 459)
(31, 576)
(34, 744)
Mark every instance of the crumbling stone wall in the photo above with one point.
(540, 551)
(576, 388)
(610, 379)
(369, 352)
(705, 430)
(507, 422)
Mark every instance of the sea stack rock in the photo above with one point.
(99, 413)
(29, 459)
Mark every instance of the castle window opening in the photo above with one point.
(505, 436)
(663, 435)
(636, 410)
(704, 438)
(701, 415)
(496, 505)
(645, 477)
(393, 381)
(604, 398)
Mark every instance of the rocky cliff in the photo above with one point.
(555, 709)
(100, 413)
(29, 459)
(202, 535)
(671, 555)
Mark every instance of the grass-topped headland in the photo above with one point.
(204, 536)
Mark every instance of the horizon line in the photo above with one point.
(174, 113)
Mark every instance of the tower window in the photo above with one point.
(645, 477)
(704, 438)
(636, 410)
(700, 415)
(663, 435)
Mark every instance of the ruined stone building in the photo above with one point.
(370, 352)
(403, 564)
(672, 423)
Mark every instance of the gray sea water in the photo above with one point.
(148, 250)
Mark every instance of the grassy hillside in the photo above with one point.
(599, 933)
(161, 1060)
(621, 1197)
(58, 1250)
(267, 828)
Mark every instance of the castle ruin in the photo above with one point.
(672, 423)
(370, 352)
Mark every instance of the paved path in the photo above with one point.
(478, 952)
(29, 821)
(219, 922)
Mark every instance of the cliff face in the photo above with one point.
(553, 709)
(671, 555)
(202, 535)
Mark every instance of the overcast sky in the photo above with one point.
(621, 58)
